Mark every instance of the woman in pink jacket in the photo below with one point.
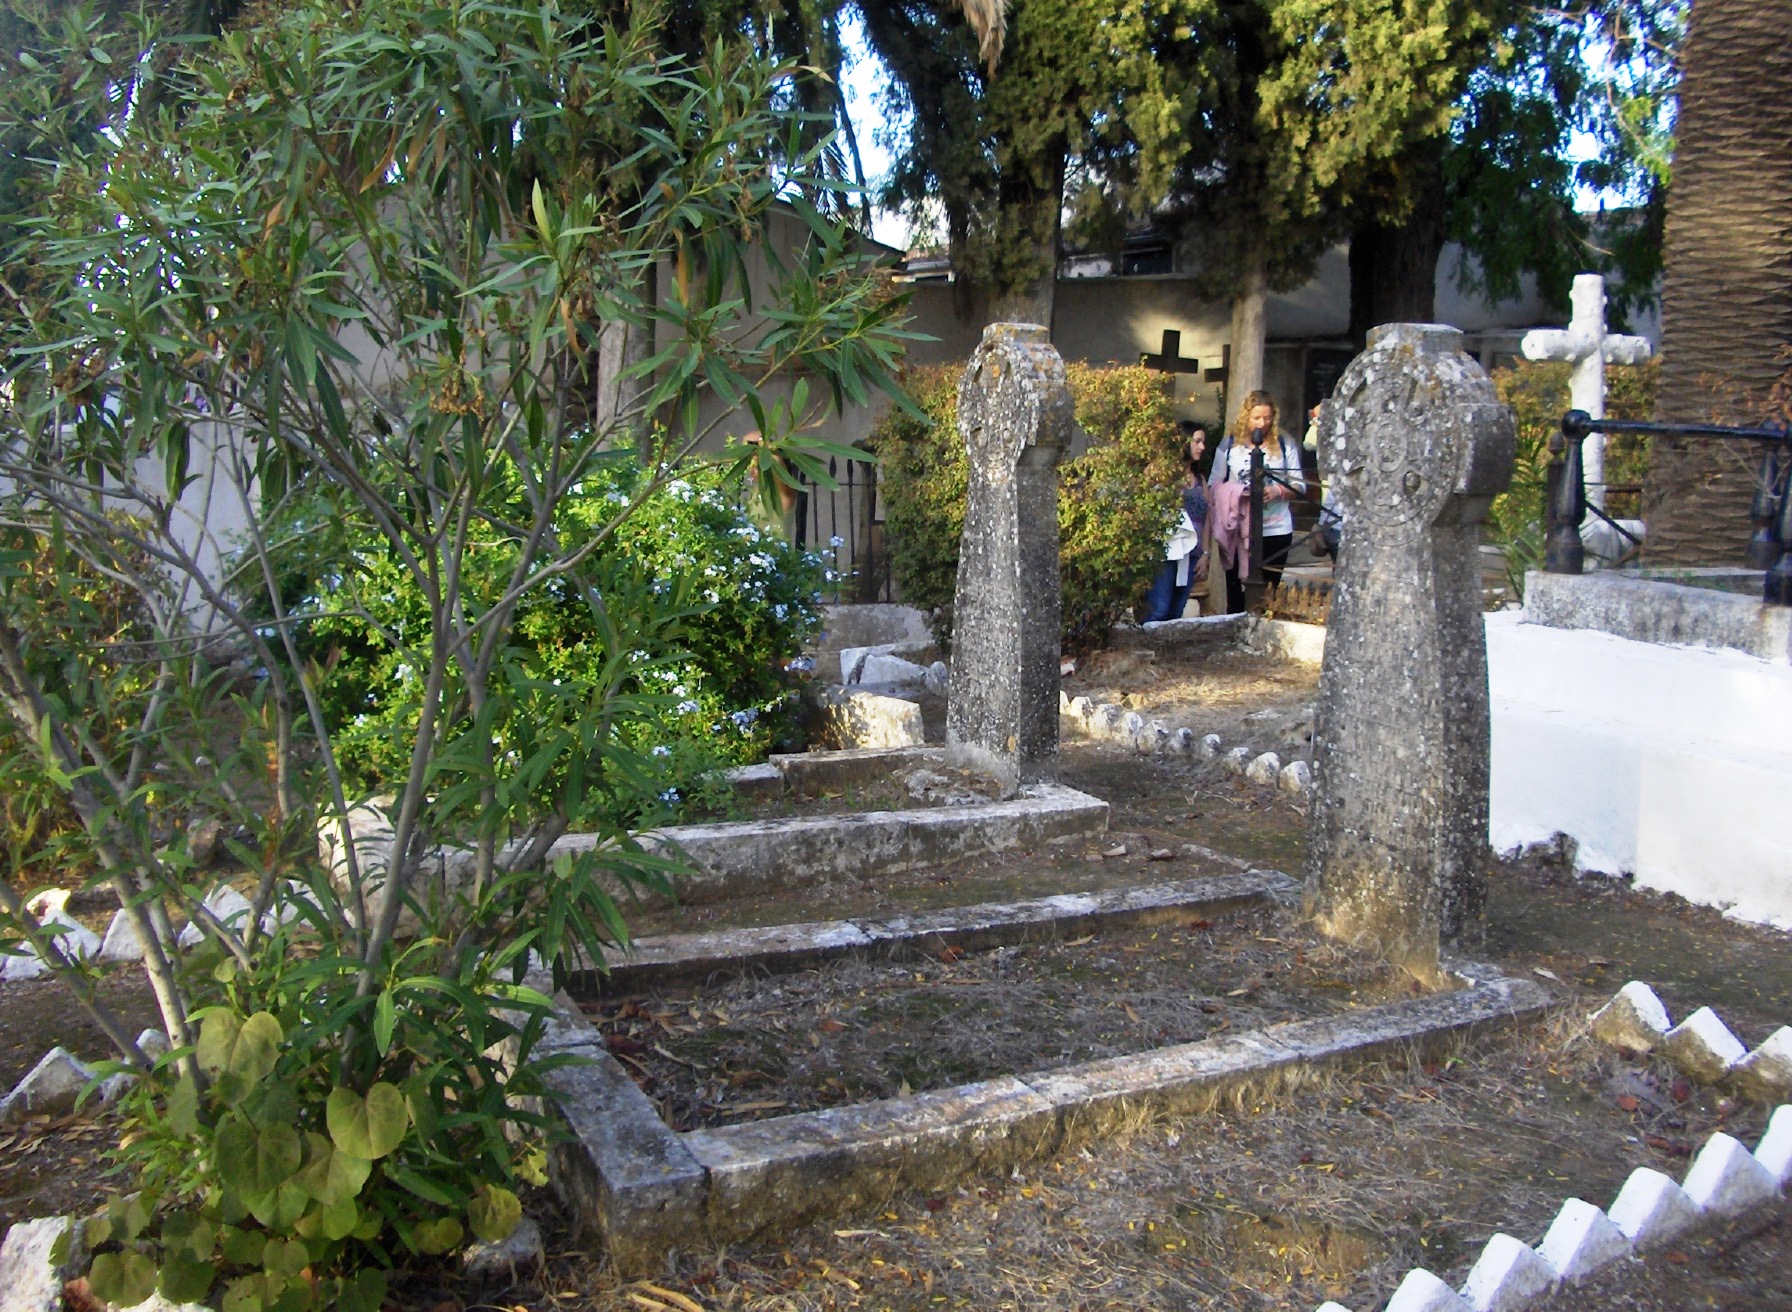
(1282, 483)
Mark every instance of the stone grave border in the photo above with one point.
(646, 1188)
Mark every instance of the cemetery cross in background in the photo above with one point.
(1589, 348)
(1014, 411)
(1414, 443)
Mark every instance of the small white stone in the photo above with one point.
(1725, 1178)
(1237, 760)
(1210, 746)
(51, 1087)
(1296, 777)
(1634, 1019)
(524, 1248)
(1132, 724)
(1507, 1276)
(49, 904)
(1766, 1073)
(1264, 769)
(1423, 1292)
(938, 678)
(1182, 742)
(1703, 1046)
(1081, 707)
(22, 965)
(1329, 1306)
(1153, 738)
(29, 1280)
(1063, 701)
(224, 902)
(1652, 1209)
(122, 941)
(1775, 1149)
(1582, 1240)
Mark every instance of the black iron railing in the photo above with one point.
(1770, 543)
(842, 525)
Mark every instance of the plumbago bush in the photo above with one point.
(1116, 501)
(320, 342)
(714, 686)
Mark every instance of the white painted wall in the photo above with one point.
(1672, 764)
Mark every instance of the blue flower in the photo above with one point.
(662, 750)
(836, 542)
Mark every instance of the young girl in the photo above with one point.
(1282, 482)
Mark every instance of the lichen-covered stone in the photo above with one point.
(1014, 411)
(1296, 778)
(29, 1280)
(1263, 769)
(1415, 444)
(51, 1087)
(1635, 1018)
(1508, 1276)
(1766, 1073)
(1703, 1046)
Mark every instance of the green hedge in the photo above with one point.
(1115, 502)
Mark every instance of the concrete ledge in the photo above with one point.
(856, 767)
(1659, 610)
(990, 924)
(622, 1172)
(1287, 638)
(718, 1185)
(754, 854)
(767, 1174)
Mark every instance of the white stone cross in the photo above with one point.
(1589, 348)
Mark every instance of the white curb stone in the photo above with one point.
(523, 1249)
(1703, 1047)
(1132, 724)
(1423, 1292)
(1634, 1018)
(1581, 1241)
(1183, 741)
(1329, 1306)
(1766, 1073)
(1725, 1178)
(1210, 746)
(51, 1087)
(1264, 769)
(29, 1281)
(1081, 707)
(1652, 1209)
(1775, 1149)
(1237, 760)
(1508, 1275)
(122, 941)
(1296, 777)
(224, 902)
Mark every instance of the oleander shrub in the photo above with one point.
(1116, 501)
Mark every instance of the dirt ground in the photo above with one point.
(1333, 1190)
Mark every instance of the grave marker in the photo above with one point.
(1589, 348)
(1014, 412)
(1415, 444)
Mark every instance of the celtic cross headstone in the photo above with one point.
(1014, 412)
(1414, 444)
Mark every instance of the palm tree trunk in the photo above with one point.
(1727, 294)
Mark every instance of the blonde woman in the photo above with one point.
(1282, 483)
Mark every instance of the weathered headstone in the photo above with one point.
(1014, 411)
(1415, 444)
(1589, 348)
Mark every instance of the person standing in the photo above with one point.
(1282, 483)
(1184, 562)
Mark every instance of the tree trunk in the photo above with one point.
(1726, 307)
(1393, 268)
(1030, 220)
(1244, 371)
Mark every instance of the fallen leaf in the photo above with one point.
(1672, 1147)
(1197, 925)
(1678, 1258)
(79, 1298)
(1682, 1088)
(1078, 942)
(831, 1026)
(672, 1296)
(1546, 973)
(1118, 849)
(936, 1204)
(1160, 854)
(1131, 1015)
(949, 954)
(1626, 1103)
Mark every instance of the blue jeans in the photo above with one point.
(1167, 597)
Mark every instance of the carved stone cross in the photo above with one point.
(1589, 348)
(1414, 444)
(1014, 411)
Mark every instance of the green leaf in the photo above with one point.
(183, 1107)
(338, 1220)
(246, 1049)
(362, 1292)
(332, 1176)
(246, 1294)
(242, 1247)
(285, 1257)
(256, 1159)
(385, 1017)
(185, 1278)
(280, 1208)
(493, 1213)
(367, 1127)
(438, 1236)
(122, 1279)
